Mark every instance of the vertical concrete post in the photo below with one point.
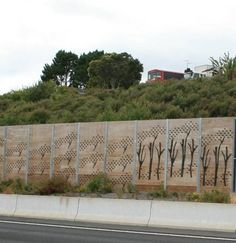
(5, 153)
(134, 162)
(27, 156)
(166, 155)
(78, 155)
(233, 186)
(199, 154)
(52, 151)
(105, 147)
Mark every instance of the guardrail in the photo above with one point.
(207, 216)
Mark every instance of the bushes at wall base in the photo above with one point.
(102, 184)
(161, 193)
(211, 197)
(99, 184)
(215, 197)
(17, 186)
(56, 185)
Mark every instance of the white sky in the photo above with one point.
(160, 33)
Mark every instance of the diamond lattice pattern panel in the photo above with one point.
(17, 151)
(2, 145)
(120, 152)
(65, 151)
(92, 142)
(40, 152)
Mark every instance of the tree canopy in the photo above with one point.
(62, 69)
(81, 72)
(94, 69)
(114, 70)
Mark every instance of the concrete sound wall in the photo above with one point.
(181, 154)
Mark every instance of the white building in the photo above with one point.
(206, 70)
(199, 71)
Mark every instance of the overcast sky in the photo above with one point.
(160, 33)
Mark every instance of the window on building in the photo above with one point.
(154, 75)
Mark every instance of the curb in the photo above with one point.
(188, 215)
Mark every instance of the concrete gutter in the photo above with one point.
(188, 215)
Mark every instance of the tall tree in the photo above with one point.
(114, 70)
(62, 69)
(81, 72)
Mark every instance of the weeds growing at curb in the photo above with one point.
(211, 197)
(131, 188)
(57, 185)
(101, 184)
(215, 197)
(17, 186)
(159, 194)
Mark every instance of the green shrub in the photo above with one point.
(193, 197)
(12, 186)
(17, 186)
(47, 103)
(215, 197)
(31, 188)
(54, 186)
(42, 90)
(7, 182)
(80, 189)
(131, 188)
(161, 193)
(39, 116)
(100, 184)
(175, 195)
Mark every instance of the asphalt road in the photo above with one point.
(31, 230)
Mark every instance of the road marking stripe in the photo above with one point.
(119, 231)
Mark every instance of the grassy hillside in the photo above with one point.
(47, 103)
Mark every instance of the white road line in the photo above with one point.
(119, 231)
